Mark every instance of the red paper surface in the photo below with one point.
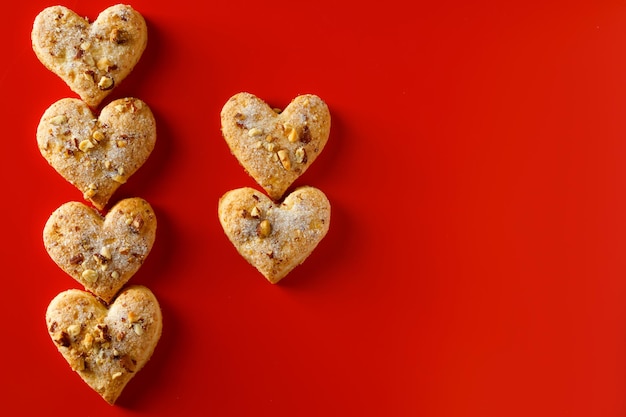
(475, 261)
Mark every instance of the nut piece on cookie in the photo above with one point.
(97, 154)
(101, 253)
(275, 148)
(92, 58)
(274, 237)
(105, 345)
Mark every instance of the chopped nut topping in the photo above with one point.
(258, 144)
(90, 275)
(85, 145)
(85, 46)
(255, 132)
(271, 147)
(120, 108)
(104, 64)
(63, 340)
(293, 136)
(305, 137)
(88, 340)
(118, 36)
(91, 191)
(270, 138)
(77, 259)
(264, 229)
(100, 260)
(105, 252)
(73, 329)
(301, 156)
(88, 75)
(255, 213)
(239, 120)
(137, 223)
(58, 119)
(103, 332)
(119, 179)
(121, 143)
(138, 329)
(283, 155)
(128, 363)
(115, 275)
(132, 317)
(106, 83)
(116, 375)
(98, 136)
(107, 164)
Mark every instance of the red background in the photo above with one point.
(475, 264)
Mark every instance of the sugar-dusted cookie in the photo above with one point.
(92, 58)
(274, 147)
(97, 154)
(102, 253)
(273, 237)
(106, 346)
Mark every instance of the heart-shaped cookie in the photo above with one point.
(91, 58)
(102, 253)
(275, 238)
(274, 147)
(97, 155)
(105, 346)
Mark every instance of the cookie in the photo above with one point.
(106, 346)
(101, 253)
(92, 58)
(274, 238)
(97, 154)
(274, 147)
